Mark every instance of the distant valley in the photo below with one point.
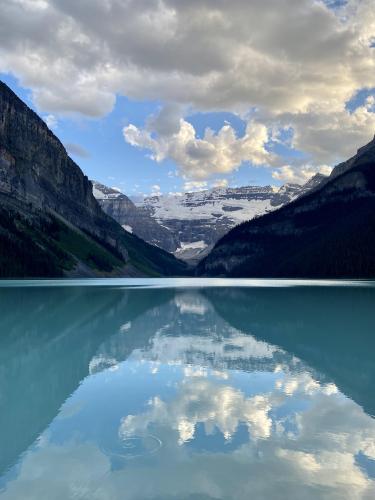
(188, 225)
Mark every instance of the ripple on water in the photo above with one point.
(129, 447)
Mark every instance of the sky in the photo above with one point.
(155, 96)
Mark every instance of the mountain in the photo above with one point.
(328, 232)
(198, 220)
(133, 219)
(50, 222)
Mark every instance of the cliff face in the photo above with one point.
(35, 168)
(133, 219)
(329, 232)
(50, 222)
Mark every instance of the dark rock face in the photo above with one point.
(50, 222)
(327, 232)
(35, 168)
(134, 219)
(313, 184)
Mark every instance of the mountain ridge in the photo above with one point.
(132, 218)
(327, 233)
(189, 224)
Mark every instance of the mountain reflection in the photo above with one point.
(181, 393)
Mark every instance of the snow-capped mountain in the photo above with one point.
(199, 219)
(189, 225)
(102, 192)
(132, 218)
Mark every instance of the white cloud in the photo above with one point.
(299, 175)
(155, 190)
(190, 186)
(200, 158)
(220, 183)
(328, 136)
(295, 62)
(283, 56)
(51, 121)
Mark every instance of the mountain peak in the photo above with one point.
(364, 154)
(328, 234)
(368, 147)
(102, 192)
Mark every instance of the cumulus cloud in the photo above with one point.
(288, 61)
(299, 175)
(200, 158)
(330, 135)
(282, 55)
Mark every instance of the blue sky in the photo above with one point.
(113, 162)
(163, 95)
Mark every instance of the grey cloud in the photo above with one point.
(77, 150)
(167, 121)
(275, 54)
(200, 150)
(294, 57)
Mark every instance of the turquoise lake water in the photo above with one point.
(187, 389)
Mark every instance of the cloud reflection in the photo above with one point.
(236, 417)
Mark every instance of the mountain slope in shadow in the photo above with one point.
(328, 233)
(330, 329)
(48, 337)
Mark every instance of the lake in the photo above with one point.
(187, 389)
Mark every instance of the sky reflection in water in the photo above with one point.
(183, 393)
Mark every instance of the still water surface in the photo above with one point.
(187, 389)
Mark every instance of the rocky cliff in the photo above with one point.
(133, 219)
(50, 222)
(326, 233)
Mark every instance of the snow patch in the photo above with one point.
(192, 245)
(102, 192)
(99, 195)
(211, 204)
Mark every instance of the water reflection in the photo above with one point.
(108, 392)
